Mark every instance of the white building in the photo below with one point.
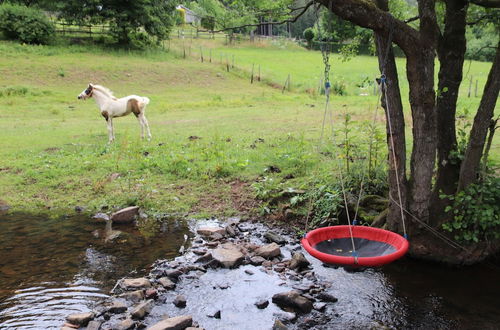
(189, 16)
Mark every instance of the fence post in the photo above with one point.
(258, 78)
(201, 54)
(475, 90)
(210, 55)
(470, 86)
(227, 63)
(233, 63)
(251, 77)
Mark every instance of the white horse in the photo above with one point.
(112, 107)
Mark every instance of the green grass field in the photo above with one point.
(215, 135)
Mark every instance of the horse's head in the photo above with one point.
(86, 93)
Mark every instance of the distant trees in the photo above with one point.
(29, 25)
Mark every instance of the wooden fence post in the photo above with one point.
(470, 86)
(201, 54)
(258, 77)
(251, 77)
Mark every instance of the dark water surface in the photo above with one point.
(50, 268)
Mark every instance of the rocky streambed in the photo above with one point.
(234, 275)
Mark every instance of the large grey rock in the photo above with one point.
(143, 309)
(117, 307)
(268, 251)
(298, 261)
(134, 296)
(94, 325)
(173, 274)
(135, 283)
(80, 319)
(228, 255)
(173, 323)
(126, 215)
(180, 301)
(293, 299)
(100, 217)
(210, 231)
(127, 324)
(278, 325)
(324, 296)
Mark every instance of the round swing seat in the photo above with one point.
(374, 246)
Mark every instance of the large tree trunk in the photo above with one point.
(451, 52)
(391, 102)
(472, 159)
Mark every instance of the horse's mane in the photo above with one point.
(105, 90)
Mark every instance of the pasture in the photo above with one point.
(218, 142)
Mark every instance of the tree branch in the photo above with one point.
(487, 3)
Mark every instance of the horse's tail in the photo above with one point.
(145, 100)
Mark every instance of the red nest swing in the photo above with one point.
(373, 246)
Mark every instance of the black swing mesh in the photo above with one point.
(364, 247)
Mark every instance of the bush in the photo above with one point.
(25, 24)
(309, 36)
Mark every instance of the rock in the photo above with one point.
(293, 299)
(205, 258)
(285, 316)
(94, 325)
(151, 293)
(180, 301)
(257, 260)
(141, 310)
(274, 238)
(135, 283)
(323, 296)
(166, 283)
(100, 217)
(117, 307)
(199, 252)
(126, 215)
(4, 207)
(298, 261)
(261, 304)
(173, 323)
(230, 231)
(278, 325)
(69, 326)
(249, 272)
(112, 235)
(215, 315)
(228, 255)
(268, 251)
(319, 306)
(173, 274)
(126, 324)
(81, 319)
(79, 209)
(209, 231)
(134, 296)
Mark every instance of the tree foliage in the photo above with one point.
(29, 25)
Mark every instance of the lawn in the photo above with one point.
(218, 141)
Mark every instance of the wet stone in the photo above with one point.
(180, 301)
(80, 319)
(210, 231)
(268, 251)
(323, 296)
(205, 258)
(117, 307)
(261, 304)
(135, 283)
(215, 314)
(134, 296)
(249, 272)
(319, 306)
(229, 256)
(293, 299)
(126, 324)
(126, 215)
(199, 252)
(257, 260)
(285, 316)
(166, 283)
(151, 294)
(94, 325)
(299, 261)
(278, 325)
(274, 238)
(173, 274)
(230, 231)
(141, 310)
(173, 323)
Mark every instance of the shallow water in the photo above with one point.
(50, 268)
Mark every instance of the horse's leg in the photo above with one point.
(141, 122)
(111, 134)
(145, 121)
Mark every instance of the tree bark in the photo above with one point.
(470, 166)
(391, 102)
(451, 53)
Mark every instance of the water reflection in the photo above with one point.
(52, 267)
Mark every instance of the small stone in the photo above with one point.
(257, 260)
(293, 299)
(319, 306)
(79, 209)
(230, 231)
(215, 315)
(94, 325)
(180, 301)
(134, 296)
(205, 258)
(135, 283)
(126, 215)
(273, 237)
(173, 274)
(269, 251)
(261, 304)
(100, 217)
(166, 283)
(141, 310)
(69, 326)
(199, 252)
(279, 269)
(249, 272)
(151, 294)
(323, 296)
(117, 307)
(209, 231)
(173, 323)
(299, 261)
(278, 325)
(228, 255)
(285, 316)
(126, 324)
(80, 319)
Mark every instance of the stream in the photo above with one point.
(50, 268)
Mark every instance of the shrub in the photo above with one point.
(475, 212)
(309, 36)
(25, 24)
